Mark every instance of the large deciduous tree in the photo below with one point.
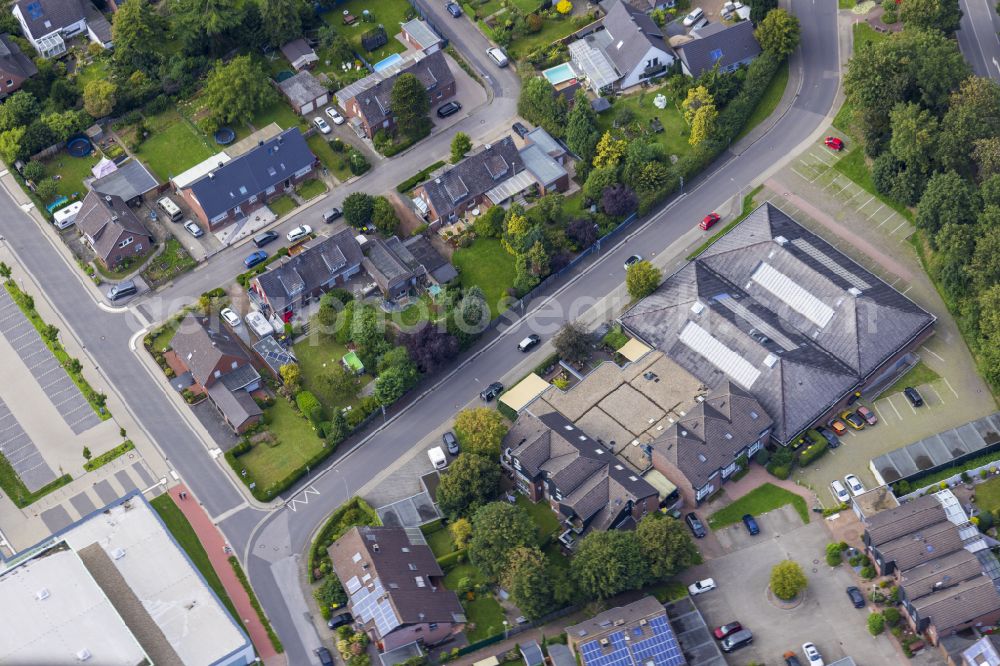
(430, 347)
(608, 563)
(618, 200)
(914, 136)
(480, 430)
(641, 279)
(759, 9)
(989, 333)
(666, 544)
(573, 344)
(787, 579)
(460, 145)
(778, 33)
(358, 209)
(281, 20)
(973, 115)
(582, 232)
(947, 198)
(527, 580)
(99, 97)
(236, 90)
(949, 264)
(470, 482)
(410, 105)
(942, 15)
(384, 216)
(497, 529)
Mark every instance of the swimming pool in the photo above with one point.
(560, 73)
(387, 62)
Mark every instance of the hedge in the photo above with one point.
(354, 511)
(418, 178)
(307, 403)
(452, 559)
(242, 577)
(108, 456)
(812, 452)
(244, 278)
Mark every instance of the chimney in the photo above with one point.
(375, 547)
(221, 163)
(260, 142)
(107, 198)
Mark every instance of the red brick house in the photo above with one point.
(111, 229)
(15, 67)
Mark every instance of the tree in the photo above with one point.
(527, 581)
(787, 579)
(469, 317)
(573, 344)
(384, 216)
(524, 279)
(538, 260)
(410, 105)
(64, 125)
(697, 97)
(955, 244)
(461, 532)
(987, 156)
(948, 198)
(470, 482)
(197, 19)
(582, 133)
(517, 232)
(973, 115)
(480, 430)
(393, 383)
(759, 9)
(236, 90)
(582, 232)
(281, 19)
(338, 430)
(642, 278)
(396, 357)
(430, 347)
(540, 105)
(667, 546)
(989, 191)
(33, 170)
(564, 7)
(18, 110)
(46, 190)
(989, 333)
(339, 383)
(490, 223)
(778, 33)
(914, 136)
(619, 200)
(99, 97)
(610, 152)
(291, 376)
(608, 563)
(652, 177)
(703, 125)
(599, 180)
(497, 529)
(460, 145)
(985, 264)
(135, 30)
(943, 15)
(331, 312)
(358, 209)
(876, 624)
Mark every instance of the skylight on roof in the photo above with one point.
(715, 54)
(722, 357)
(789, 291)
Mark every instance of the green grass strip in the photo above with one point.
(272, 636)
(18, 492)
(108, 456)
(767, 497)
(748, 206)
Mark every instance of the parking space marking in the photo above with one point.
(926, 349)
(948, 384)
(891, 404)
(866, 203)
(804, 177)
(901, 225)
(937, 393)
(878, 411)
(906, 290)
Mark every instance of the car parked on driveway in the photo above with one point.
(701, 587)
(254, 258)
(708, 221)
(122, 290)
(449, 441)
(854, 594)
(491, 391)
(853, 420)
(331, 215)
(448, 109)
(695, 524)
(868, 415)
(913, 395)
(521, 130)
(813, 657)
(696, 15)
(741, 638)
(193, 228)
(322, 125)
(751, 524)
(832, 440)
(335, 116)
(498, 56)
(855, 485)
(453, 9)
(840, 492)
(837, 426)
(726, 630)
(339, 620)
(298, 233)
(231, 317)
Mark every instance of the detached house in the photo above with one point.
(728, 46)
(111, 229)
(395, 587)
(15, 67)
(47, 24)
(248, 182)
(392, 266)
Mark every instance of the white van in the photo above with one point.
(66, 217)
(167, 205)
(438, 459)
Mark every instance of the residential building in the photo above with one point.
(111, 229)
(729, 46)
(300, 54)
(243, 184)
(304, 92)
(219, 367)
(395, 587)
(129, 180)
(114, 588)
(648, 6)
(585, 484)
(367, 102)
(784, 315)
(15, 67)
(392, 266)
(47, 24)
(325, 263)
(872, 502)
(984, 652)
(946, 574)
(626, 49)
(436, 266)
(638, 633)
(420, 35)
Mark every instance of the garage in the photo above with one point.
(304, 92)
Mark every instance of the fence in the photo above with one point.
(48, 152)
(514, 631)
(956, 479)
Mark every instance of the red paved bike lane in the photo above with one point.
(215, 544)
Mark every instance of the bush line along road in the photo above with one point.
(269, 543)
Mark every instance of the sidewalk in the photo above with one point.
(213, 541)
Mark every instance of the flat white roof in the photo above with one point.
(199, 170)
(725, 359)
(798, 298)
(73, 615)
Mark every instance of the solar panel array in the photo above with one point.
(659, 649)
(373, 604)
(770, 331)
(828, 262)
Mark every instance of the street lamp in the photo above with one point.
(505, 625)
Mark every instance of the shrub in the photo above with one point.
(534, 23)
(779, 471)
(306, 402)
(812, 452)
(868, 572)
(833, 554)
(876, 624)
(891, 616)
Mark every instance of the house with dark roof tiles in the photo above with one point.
(393, 267)
(15, 67)
(730, 47)
(111, 229)
(47, 24)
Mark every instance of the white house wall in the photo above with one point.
(634, 77)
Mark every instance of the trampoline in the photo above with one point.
(79, 146)
(224, 136)
(353, 363)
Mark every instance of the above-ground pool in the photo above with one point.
(387, 62)
(560, 73)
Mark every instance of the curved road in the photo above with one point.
(271, 541)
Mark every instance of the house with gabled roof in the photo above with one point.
(15, 67)
(111, 229)
(393, 267)
(729, 47)
(300, 54)
(47, 24)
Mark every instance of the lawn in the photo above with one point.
(282, 205)
(278, 112)
(760, 500)
(855, 167)
(915, 376)
(11, 484)
(674, 137)
(483, 612)
(318, 354)
(331, 159)
(69, 173)
(748, 206)
(542, 515)
(298, 443)
(769, 102)
(440, 542)
(92, 72)
(311, 189)
(552, 30)
(186, 538)
(164, 336)
(988, 495)
(389, 13)
(173, 261)
(174, 145)
(490, 267)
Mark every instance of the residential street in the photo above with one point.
(978, 37)
(269, 543)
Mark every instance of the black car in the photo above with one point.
(325, 658)
(491, 391)
(449, 441)
(122, 290)
(856, 597)
(262, 239)
(828, 435)
(448, 109)
(751, 525)
(520, 129)
(695, 524)
(331, 215)
(453, 9)
(913, 396)
(339, 620)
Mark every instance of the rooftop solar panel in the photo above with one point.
(660, 648)
(827, 262)
(373, 604)
(798, 298)
(725, 359)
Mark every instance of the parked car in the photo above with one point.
(298, 233)
(741, 638)
(193, 228)
(491, 391)
(832, 440)
(331, 215)
(813, 657)
(701, 587)
(726, 630)
(231, 317)
(855, 485)
(834, 143)
(751, 524)
(265, 237)
(449, 441)
(325, 658)
(448, 109)
(322, 125)
(913, 396)
(453, 9)
(254, 258)
(521, 130)
(840, 492)
(696, 15)
(529, 343)
(438, 459)
(339, 620)
(697, 528)
(854, 594)
(854, 420)
(122, 290)
(837, 426)
(335, 115)
(709, 220)
(498, 56)
(791, 659)
(634, 259)
(867, 414)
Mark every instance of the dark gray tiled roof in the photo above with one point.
(632, 33)
(375, 102)
(697, 444)
(298, 48)
(248, 175)
(241, 377)
(201, 348)
(908, 517)
(13, 61)
(237, 405)
(474, 176)
(437, 266)
(389, 262)
(96, 22)
(317, 265)
(953, 607)
(782, 313)
(130, 180)
(922, 545)
(726, 46)
(58, 13)
(105, 218)
(943, 571)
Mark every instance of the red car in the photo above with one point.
(868, 415)
(834, 143)
(726, 630)
(709, 220)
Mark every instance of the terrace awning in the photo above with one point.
(514, 185)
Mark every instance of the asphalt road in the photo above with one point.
(978, 37)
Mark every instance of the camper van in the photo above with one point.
(259, 324)
(66, 217)
(167, 205)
